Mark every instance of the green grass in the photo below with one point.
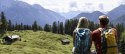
(123, 36)
(39, 42)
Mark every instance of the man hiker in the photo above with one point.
(105, 37)
(82, 37)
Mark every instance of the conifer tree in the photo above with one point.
(21, 26)
(16, 26)
(61, 28)
(13, 28)
(40, 28)
(9, 26)
(68, 27)
(54, 27)
(91, 25)
(122, 43)
(120, 29)
(73, 25)
(35, 26)
(58, 27)
(4, 24)
(47, 28)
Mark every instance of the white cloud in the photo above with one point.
(77, 5)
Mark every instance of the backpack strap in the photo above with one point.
(111, 46)
(103, 29)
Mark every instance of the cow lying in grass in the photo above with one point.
(11, 39)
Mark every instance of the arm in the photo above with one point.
(90, 39)
(74, 34)
(95, 37)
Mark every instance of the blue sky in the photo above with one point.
(64, 6)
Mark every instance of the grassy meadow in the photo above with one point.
(39, 42)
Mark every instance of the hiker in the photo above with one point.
(82, 37)
(105, 37)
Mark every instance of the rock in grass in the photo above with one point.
(65, 41)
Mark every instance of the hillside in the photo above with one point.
(19, 11)
(37, 43)
(116, 12)
(120, 19)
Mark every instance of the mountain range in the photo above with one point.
(22, 12)
(91, 16)
(117, 15)
(70, 14)
(120, 19)
(116, 12)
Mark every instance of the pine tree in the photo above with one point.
(120, 29)
(96, 26)
(54, 27)
(29, 27)
(122, 47)
(9, 26)
(40, 28)
(68, 27)
(13, 27)
(4, 24)
(72, 27)
(91, 25)
(47, 28)
(58, 28)
(74, 23)
(61, 28)
(111, 25)
(21, 26)
(35, 26)
(122, 43)
(16, 26)
(25, 27)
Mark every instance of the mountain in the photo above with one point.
(19, 11)
(116, 12)
(91, 16)
(70, 14)
(120, 19)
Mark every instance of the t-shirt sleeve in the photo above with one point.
(94, 34)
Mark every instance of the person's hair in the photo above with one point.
(104, 20)
(83, 23)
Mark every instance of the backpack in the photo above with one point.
(108, 39)
(82, 41)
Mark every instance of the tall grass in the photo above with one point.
(39, 42)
